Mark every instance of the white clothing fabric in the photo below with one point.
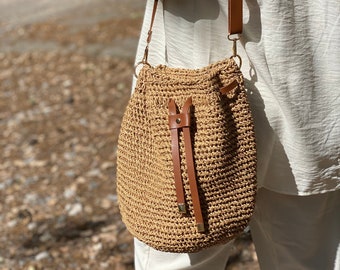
(290, 233)
(147, 258)
(291, 62)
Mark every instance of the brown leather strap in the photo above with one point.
(174, 124)
(189, 156)
(235, 16)
(152, 20)
(182, 121)
(227, 88)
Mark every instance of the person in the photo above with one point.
(291, 63)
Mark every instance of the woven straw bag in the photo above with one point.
(186, 172)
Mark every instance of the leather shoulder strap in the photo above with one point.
(235, 16)
(155, 3)
(235, 25)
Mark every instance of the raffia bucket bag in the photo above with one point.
(186, 172)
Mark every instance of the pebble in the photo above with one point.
(94, 173)
(42, 228)
(86, 233)
(70, 192)
(31, 226)
(12, 223)
(31, 180)
(2, 186)
(9, 199)
(42, 256)
(123, 247)
(52, 201)
(93, 185)
(67, 83)
(61, 220)
(45, 237)
(104, 265)
(81, 180)
(107, 165)
(88, 209)
(70, 173)
(11, 181)
(69, 155)
(97, 247)
(105, 203)
(112, 197)
(31, 198)
(83, 122)
(38, 163)
(74, 209)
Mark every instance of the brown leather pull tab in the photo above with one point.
(182, 121)
(227, 88)
(189, 156)
(174, 122)
(235, 16)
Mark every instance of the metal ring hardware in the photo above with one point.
(138, 64)
(234, 50)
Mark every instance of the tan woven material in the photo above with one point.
(224, 155)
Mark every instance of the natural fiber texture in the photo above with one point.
(224, 154)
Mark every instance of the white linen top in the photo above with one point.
(291, 63)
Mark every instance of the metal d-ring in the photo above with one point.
(145, 57)
(138, 64)
(239, 60)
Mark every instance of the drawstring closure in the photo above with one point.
(183, 121)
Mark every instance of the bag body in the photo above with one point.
(223, 157)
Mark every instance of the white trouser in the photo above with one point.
(289, 232)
